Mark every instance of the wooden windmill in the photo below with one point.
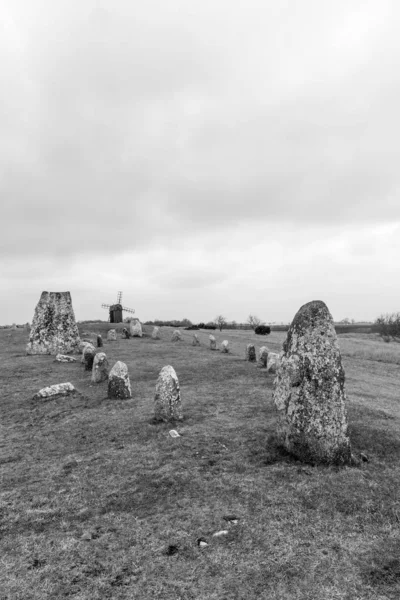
(116, 310)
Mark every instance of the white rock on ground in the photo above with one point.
(58, 389)
(65, 358)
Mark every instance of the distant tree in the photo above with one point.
(220, 321)
(262, 330)
(185, 323)
(388, 325)
(254, 321)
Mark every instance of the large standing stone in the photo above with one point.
(100, 368)
(119, 386)
(250, 353)
(156, 333)
(88, 354)
(309, 389)
(168, 405)
(85, 345)
(111, 335)
(213, 343)
(125, 334)
(262, 356)
(225, 346)
(176, 336)
(54, 329)
(136, 328)
(195, 341)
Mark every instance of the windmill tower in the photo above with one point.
(115, 310)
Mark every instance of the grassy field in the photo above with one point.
(99, 502)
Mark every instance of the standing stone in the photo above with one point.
(156, 333)
(225, 346)
(213, 343)
(136, 328)
(111, 335)
(309, 389)
(125, 334)
(195, 341)
(273, 362)
(64, 358)
(13, 327)
(250, 353)
(168, 405)
(100, 368)
(83, 346)
(54, 329)
(176, 336)
(263, 356)
(119, 386)
(99, 341)
(88, 354)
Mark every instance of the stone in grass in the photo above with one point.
(273, 362)
(195, 341)
(262, 356)
(250, 353)
(65, 358)
(167, 400)
(176, 336)
(99, 341)
(125, 334)
(156, 333)
(59, 389)
(213, 343)
(309, 390)
(100, 368)
(119, 386)
(88, 354)
(111, 335)
(225, 346)
(136, 328)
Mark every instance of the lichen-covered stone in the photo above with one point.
(273, 362)
(168, 405)
(100, 368)
(225, 346)
(88, 354)
(156, 333)
(119, 386)
(213, 343)
(64, 358)
(136, 328)
(99, 341)
(262, 356)
(125, 334)
(176, 336)
(309, 389)
(54, 329)
(111, 335)
(59, 389)
(195, 340)
(85, 345)
(250, 353)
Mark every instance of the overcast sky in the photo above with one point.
(203, 156)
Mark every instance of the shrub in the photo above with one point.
(200, 326)
(388, 325)
(262, 330)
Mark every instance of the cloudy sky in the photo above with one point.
(203, 156)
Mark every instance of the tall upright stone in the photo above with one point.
(99, 341)
(167, 400)
(250, 353)
(100, 368)
(213, 342)
(88, 354)
(119, 386)
(176, 336)
(111, 335)
(156, 333)
(309, 389)
(195, 340)
(125, 334)
(225, 346)
(54, 329)
(263, 356)
(136, 328)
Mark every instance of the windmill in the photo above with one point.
(116, 310)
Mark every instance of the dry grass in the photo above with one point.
(95, 497)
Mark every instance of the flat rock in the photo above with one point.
(58, 389)
(310, 389)
(65, 358)
(119, 386)
(167, 400)
(100, 368)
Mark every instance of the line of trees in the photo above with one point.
(388, 326)
(220, 322)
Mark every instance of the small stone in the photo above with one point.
(195, 341)
(173, 433)
(156, 333)
(231, 518)
(364, 457)
(111, 335)
(202, 542)
(172, 549)
(136, 328)
(262, 356)
(176, 336)
(59, 389)
(213, 343)
(99, 341)
(65, 358)
(125, 334)
(100, 368)
(88, 354)
(119, 386)
(250, 353)
(225, 346)
(219, 533)
(167, 400)
(86, 536)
